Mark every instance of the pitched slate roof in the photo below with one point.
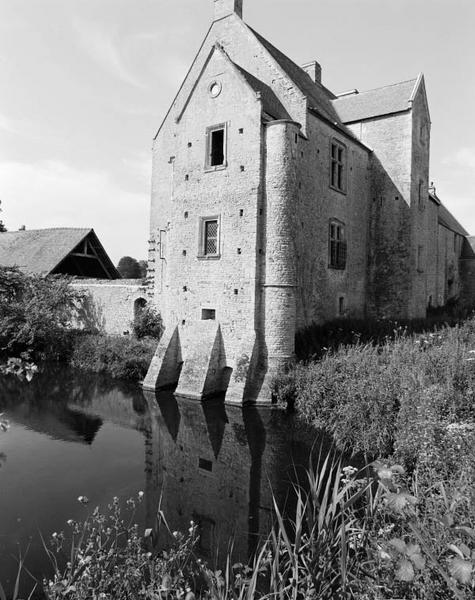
(320, 98)
(41, 251)
(448, 220)
(375, 103)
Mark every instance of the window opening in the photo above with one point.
(216, 146)
(208, 314)
(209, 237)
(341, 306)
(421, 194)
(205, 464)
(337, 245)
(338, 160)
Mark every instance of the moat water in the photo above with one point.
(77, 435)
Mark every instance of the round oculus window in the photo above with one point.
(214, 89)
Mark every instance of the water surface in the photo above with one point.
(73, 434)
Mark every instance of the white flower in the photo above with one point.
(141, 494)
(83, 499)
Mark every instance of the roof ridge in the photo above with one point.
(382, 87)
(51, 229)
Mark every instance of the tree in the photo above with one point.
(143, 268)
(129, 268)
(2, 226)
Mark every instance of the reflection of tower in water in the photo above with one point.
(218, 465)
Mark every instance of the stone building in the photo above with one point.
(277, 203)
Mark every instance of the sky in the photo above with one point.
(85, 84)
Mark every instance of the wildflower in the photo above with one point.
(141, 494)
(70, 522)
(54, 535)
(83, 499)
(349, 471)
(175, 534)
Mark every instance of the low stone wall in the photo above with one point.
(110, 305)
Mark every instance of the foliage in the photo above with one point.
(314, 341)
(148, 323)
(129, 268)
(409, 395)
(2, 226)
(21, 367)
(143, 264)
(35, 313)
(122, 357)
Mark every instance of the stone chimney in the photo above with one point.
(313, 70)
(223, 8)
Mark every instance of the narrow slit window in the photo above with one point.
(216, 147)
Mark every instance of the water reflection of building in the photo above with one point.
(210, 462)
(218, 465)
(72, 408)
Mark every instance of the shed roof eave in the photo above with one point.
(376, 117)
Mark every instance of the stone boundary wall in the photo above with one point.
(110, 305)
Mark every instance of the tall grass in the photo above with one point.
(410, 396)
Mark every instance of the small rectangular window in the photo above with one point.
(216, 146)
(338, 166)
(341, 306)
(336, 245)
(209, 237)
(208, 314)
(205, 464)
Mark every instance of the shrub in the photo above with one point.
(402, 395)
(35, 314)
(121, 357)
(148, 323)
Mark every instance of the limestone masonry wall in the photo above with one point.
(110, 304)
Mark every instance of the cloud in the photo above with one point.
(55, 194)
(104, 49)
(463, 158)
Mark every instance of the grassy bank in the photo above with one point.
(411, 397)
(405, 398)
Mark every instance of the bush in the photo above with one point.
(121, 357)
(148, 323)
(35, 315)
